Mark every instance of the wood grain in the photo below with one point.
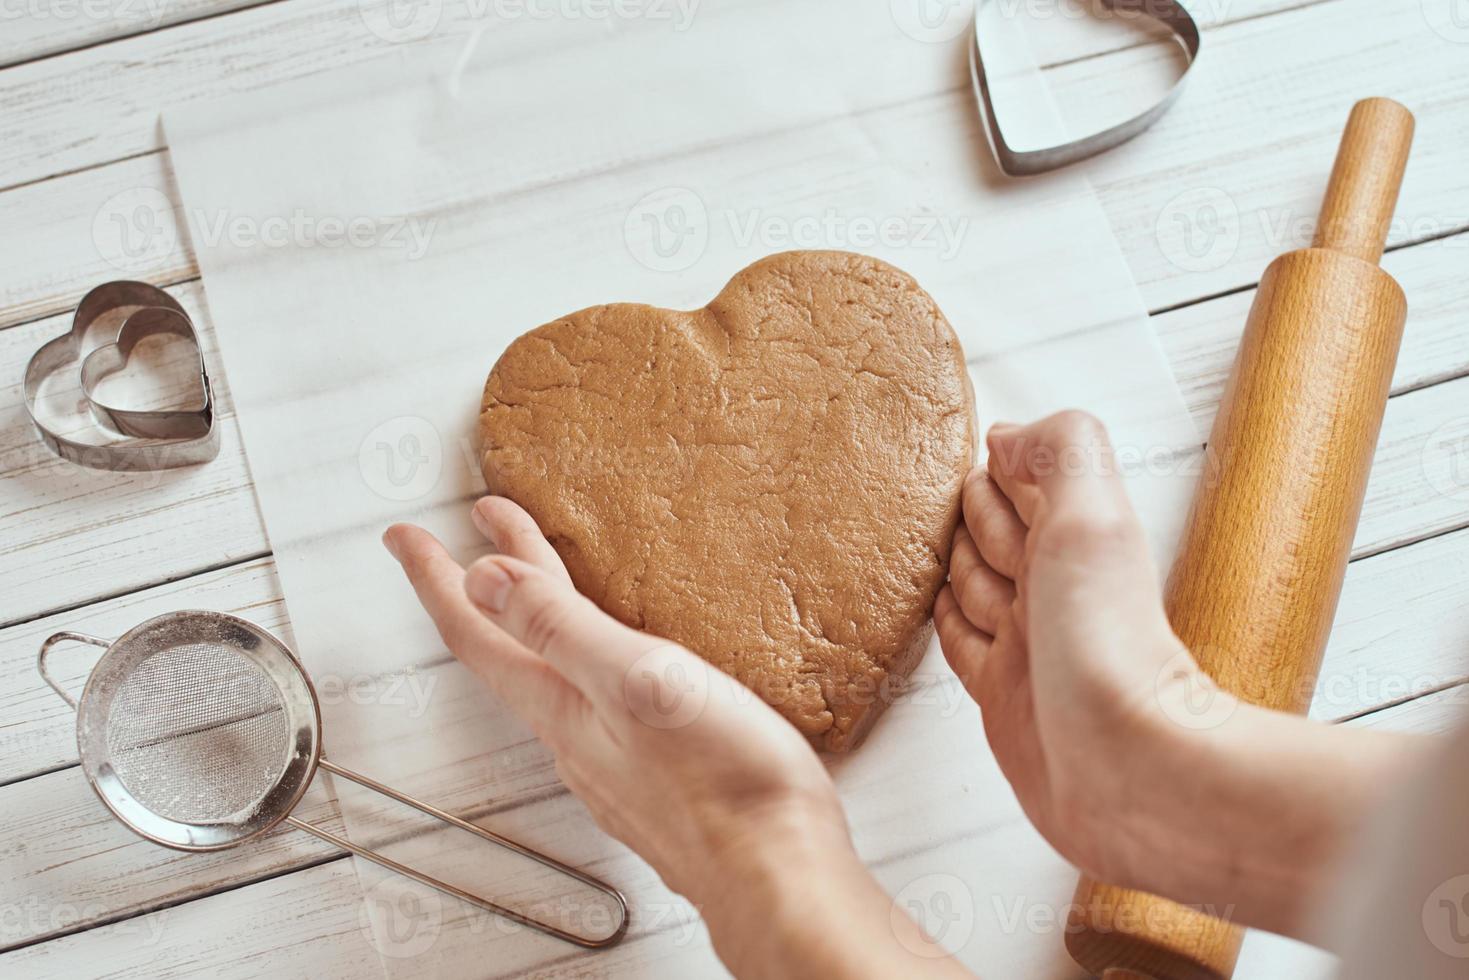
(52, 27)
(72, 535)
(1401, 628)
(1254, 590)
(66, 113)
(1362, 192)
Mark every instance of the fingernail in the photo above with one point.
(481, 523)
(390, 544)
(488, 584)
(1003, 428)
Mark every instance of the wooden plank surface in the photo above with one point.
(1231, 177)
(132, 212)
(83, 534)
(71, 112)
(44, 28)
(73, 535)
(163, 255)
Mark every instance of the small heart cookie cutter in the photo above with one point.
(1025, 163)
(175, 437)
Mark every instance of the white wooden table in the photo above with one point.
(1230, 178)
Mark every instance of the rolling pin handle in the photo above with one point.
(1356, 213)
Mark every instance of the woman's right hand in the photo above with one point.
(1123, 753)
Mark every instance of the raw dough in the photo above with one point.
(772, 481)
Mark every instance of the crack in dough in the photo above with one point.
(772, 481)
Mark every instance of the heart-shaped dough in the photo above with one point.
(772, 481)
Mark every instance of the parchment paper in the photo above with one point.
(372, 238)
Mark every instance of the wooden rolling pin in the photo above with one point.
(1254, 591)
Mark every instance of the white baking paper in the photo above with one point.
(372, 238)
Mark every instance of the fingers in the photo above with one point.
(964, 646)
(1066, 457)
(984, 595)
(523, 681)
(1088, 557)
(547, 616)
(993, 524)
(513, 532)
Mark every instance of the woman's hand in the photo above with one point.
(690, 769)
(1123, 753)
(1053, 621)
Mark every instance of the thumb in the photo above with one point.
(550, 618)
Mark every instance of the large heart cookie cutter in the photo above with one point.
(174, 437)
(1023, 163)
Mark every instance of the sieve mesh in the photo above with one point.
(197, 732)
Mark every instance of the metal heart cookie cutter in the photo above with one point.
(1024, 163)
(151, 440)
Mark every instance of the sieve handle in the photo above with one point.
(64, 637)
(459, 893)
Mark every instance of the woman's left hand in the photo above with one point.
(718, 792)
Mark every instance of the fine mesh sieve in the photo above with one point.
(201, 731)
